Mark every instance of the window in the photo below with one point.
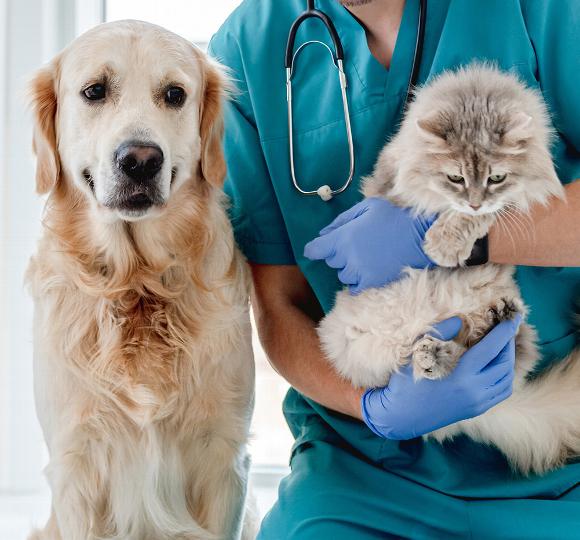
(196, 21)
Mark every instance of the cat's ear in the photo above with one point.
(518, 131)
(433, 130)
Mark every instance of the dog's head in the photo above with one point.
(127, 114)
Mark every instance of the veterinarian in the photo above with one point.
(359, 468)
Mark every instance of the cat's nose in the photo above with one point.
(475, 206)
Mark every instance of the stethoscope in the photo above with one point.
(325, 192)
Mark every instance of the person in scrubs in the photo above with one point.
(359, 469)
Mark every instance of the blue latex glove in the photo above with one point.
(406, 408)
(371, 243)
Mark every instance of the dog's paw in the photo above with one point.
(433, 358)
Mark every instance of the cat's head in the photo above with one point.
(475, 141)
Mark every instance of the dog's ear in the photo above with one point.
(215, 90)
(44, 105)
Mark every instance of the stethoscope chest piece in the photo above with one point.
(325, 193)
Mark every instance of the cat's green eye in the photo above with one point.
(496, 178)
(456, 178)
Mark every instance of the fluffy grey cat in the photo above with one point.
(473, 145)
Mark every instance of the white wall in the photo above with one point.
(3, 328)
(19, 217)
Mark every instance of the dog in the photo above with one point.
(144, 374)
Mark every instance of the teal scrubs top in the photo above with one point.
(537, 39)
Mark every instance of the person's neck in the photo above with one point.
(381, 20)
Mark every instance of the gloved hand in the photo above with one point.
(371, 243)
(406, 408)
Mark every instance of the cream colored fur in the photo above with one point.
(478, 112)
(143, 364)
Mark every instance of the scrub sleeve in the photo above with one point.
(258, 226)
(254, 212)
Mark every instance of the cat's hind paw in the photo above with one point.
(433, 358)
(505, 309)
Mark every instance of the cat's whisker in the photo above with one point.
(519, 228)
(525, 217)
(524, 221)
(508, 220)
(514, 218)
(507, 228)
(526, 235)
(502, 223)
(530, 231)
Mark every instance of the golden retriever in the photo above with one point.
(143, 365)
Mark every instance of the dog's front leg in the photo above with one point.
(76, 491)
(226, 502)
(50, 531)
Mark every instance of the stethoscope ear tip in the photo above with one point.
(325, 193)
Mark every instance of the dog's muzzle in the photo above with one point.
(138, 167)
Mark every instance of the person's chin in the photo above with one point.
(354, 3)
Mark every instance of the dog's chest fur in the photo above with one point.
(150, 356)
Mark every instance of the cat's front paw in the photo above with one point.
(450, 240)
(446, 247)
(433, 358)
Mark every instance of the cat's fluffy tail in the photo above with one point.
(538, 427)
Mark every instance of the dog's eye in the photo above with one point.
(496, 178)
(95, 92)
(175, 96)
(456, 179)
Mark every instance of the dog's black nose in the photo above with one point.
(139, 161)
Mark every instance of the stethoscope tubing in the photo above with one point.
(418, 55)
(325, 192)
(312, 13)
